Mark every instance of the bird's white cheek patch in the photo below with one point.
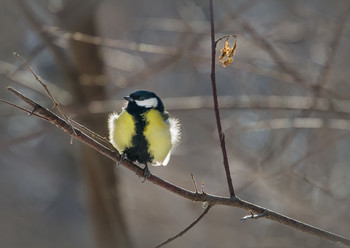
(148, 103)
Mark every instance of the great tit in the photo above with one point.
(143, 131)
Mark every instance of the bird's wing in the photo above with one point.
(175, 137)
(175, 130)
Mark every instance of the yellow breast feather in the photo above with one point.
(157, 133)
(121, 130)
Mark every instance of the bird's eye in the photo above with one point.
(141, 98)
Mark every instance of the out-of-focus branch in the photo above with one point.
(107, 42)
(316, 90)
(250, 102)
(36, 24)
(29, 136)
(322, 77)
(266, 45)
(296, 123)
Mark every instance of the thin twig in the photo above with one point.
(91, 133)
(37, 78)
(186, 229)
(252, 216)
(55, 102)
(23, 109)
(225, 37)
(14, 74)
(193, 196)
(33, 53)
(216, 105)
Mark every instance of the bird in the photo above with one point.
(143, 132)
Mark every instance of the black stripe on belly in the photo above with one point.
(139, 149)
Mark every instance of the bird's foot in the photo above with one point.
(146, 173)
(122, 158)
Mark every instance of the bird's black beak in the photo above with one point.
(128, 98)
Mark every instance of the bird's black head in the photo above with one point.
(141, 101)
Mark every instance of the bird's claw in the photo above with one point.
(146, 173)
(122, 159)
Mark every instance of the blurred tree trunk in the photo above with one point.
(89, 84)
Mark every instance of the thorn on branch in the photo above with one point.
(33, 111)
(222, 136)
(194, 183)
(202, 188)
(253, 216)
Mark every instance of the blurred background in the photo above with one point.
(285, 108)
